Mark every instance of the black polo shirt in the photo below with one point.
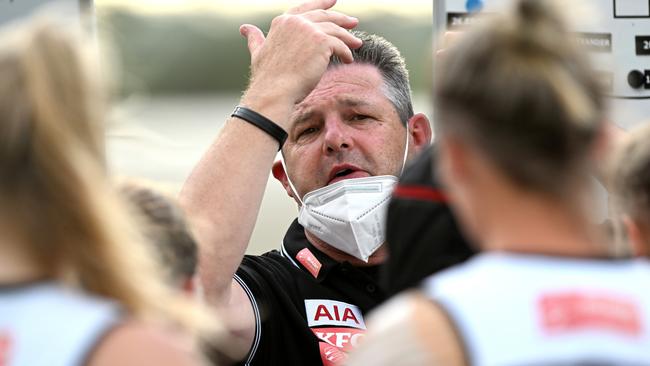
(308, 307)
(421, 230)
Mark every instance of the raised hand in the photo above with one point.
(291, 59)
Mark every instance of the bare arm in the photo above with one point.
(409, 330)
(135, 343)
(224, 192)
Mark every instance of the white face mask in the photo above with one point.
(349, 215)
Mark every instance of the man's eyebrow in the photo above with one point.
(303, 117)
(349, 102)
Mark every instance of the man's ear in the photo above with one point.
(419, 133)
(281, 175)
(635, 237)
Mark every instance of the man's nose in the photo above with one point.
(337, 136)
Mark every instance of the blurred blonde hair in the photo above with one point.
(166, 227)
(56, 201)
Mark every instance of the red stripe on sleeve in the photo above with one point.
(423, 193)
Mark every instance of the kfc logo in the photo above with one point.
(337, 313)
(345, 339)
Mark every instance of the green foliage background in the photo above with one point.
(197, 53)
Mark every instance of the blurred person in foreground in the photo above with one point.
(172, 242)
(163, 223)
(629, 177)
(343, 100)
(519, 115)
(77, 286)
(422, 233)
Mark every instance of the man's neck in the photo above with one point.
(378, 257)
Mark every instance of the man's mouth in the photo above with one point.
(346, 171)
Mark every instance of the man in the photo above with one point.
(344, 101)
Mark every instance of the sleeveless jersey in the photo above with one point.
(47, 324)
(512, 309)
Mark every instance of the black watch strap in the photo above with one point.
(262, 123)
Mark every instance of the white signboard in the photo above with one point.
(618, 39)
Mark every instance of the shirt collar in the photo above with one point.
(302, 253)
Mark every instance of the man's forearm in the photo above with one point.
(224, 192)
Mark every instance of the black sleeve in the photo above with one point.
(282, 336)
(422, 234)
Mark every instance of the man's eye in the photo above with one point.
(306, 132)
(360, 117)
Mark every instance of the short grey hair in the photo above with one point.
(377, 51)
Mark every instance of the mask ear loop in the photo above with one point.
(406, 149)
(286, 172)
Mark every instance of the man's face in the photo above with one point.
(346, 128)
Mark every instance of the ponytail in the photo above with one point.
(56, 203)
(519, 89)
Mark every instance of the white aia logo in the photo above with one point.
(333, 313)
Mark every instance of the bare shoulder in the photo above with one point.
(410, 329)
(137, 343)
